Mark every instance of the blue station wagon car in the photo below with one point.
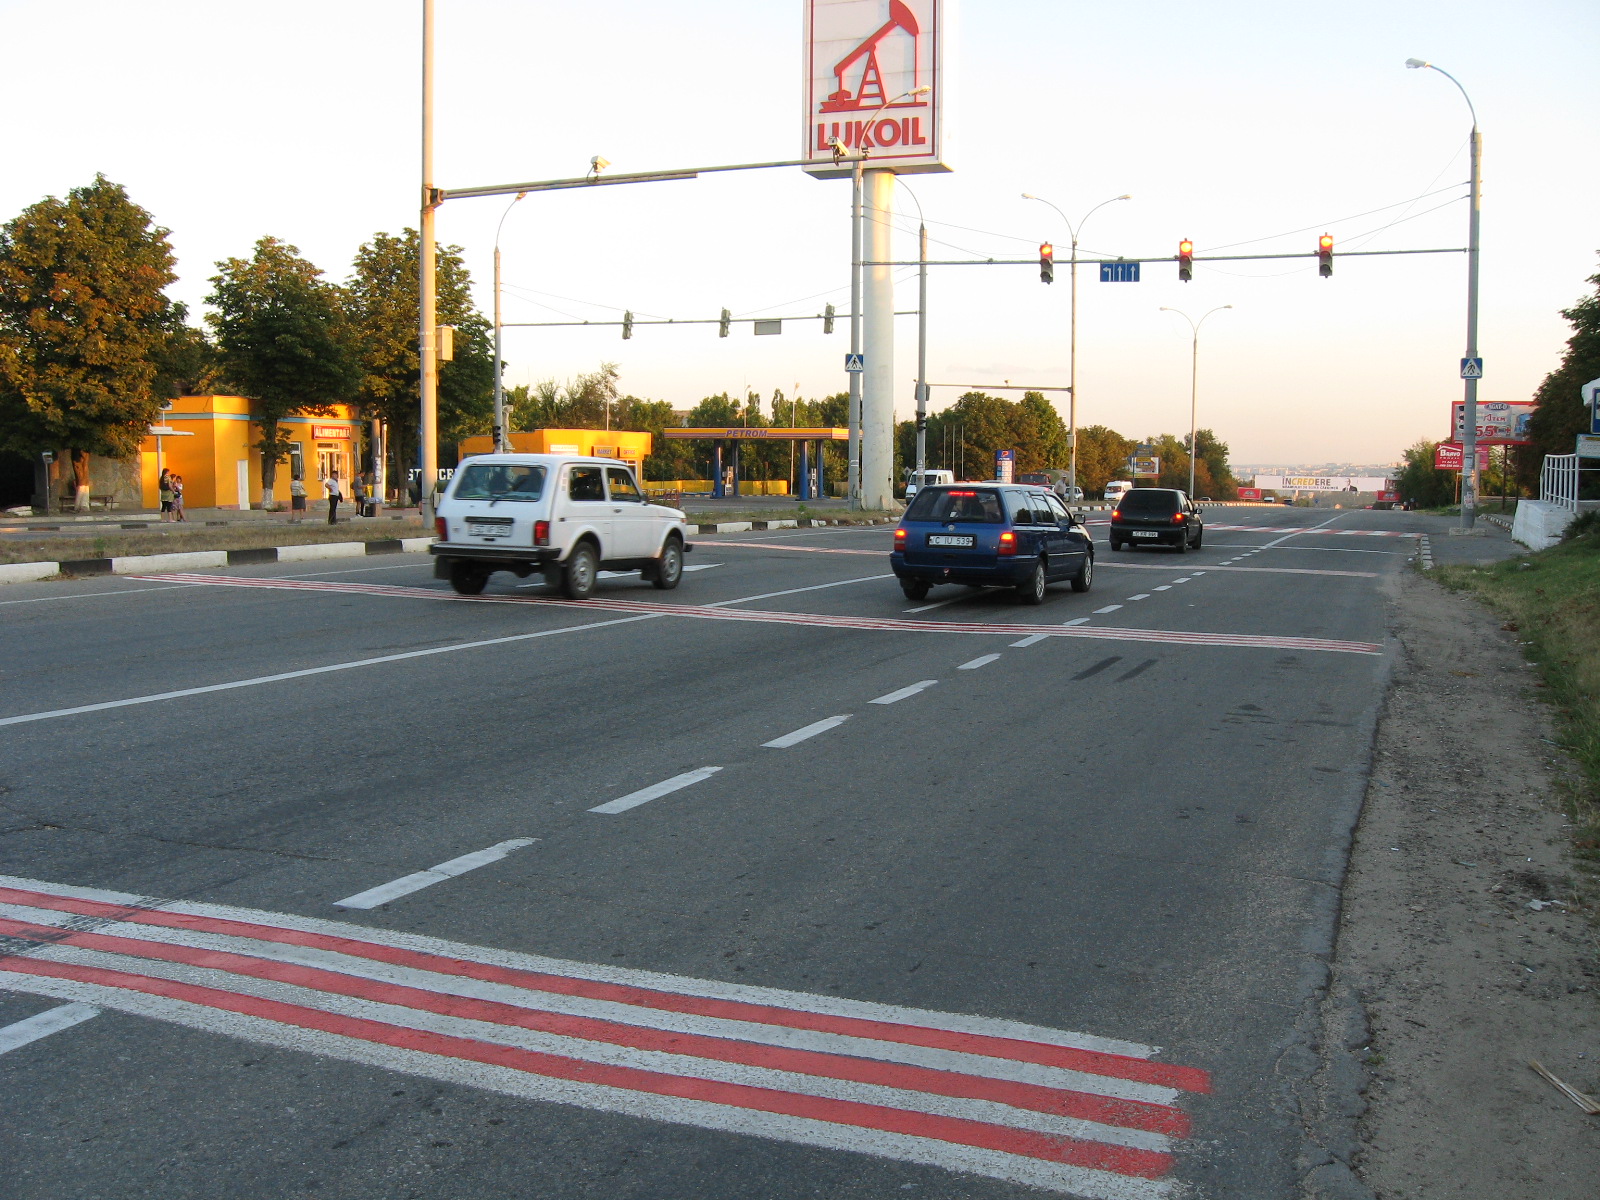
(987, 534)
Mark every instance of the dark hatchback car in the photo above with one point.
(1005, 534)
(1156, 517)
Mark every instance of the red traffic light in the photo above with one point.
(1185, 260)
(1047, 263)
(1325, 255)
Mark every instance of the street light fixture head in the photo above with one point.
(1414, 63)
(1127, 197)
(1029, 196)
(920, 91)
(598, 164)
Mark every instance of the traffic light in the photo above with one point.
(627, 325)
(827, 319)
(1325, 255)
(1047, 263)
(722, 326)
(1185, 260)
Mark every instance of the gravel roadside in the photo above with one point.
(1452, 969)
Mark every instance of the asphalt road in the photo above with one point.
(1034, 908)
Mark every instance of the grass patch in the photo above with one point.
(1551, 600)
(175, 539)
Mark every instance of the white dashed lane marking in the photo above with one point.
(1110, 608)
(974, 664)
(418, 880)
(896, 696)
(1140, 596)
(655, 791)
(808, 731)
(42, 1025)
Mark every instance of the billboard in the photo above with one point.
(1249, 493)
(1500, 422)
(1448, 457)
(863, 61)
(1143, 466)
(1323, 483)
(1005, 465)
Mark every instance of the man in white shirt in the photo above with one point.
(335, 492)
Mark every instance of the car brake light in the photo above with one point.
(1116, 514)
(541, 533)
(1008, 542)
(1177, 518)
(441, 529)
(961, 493)
(899, 539)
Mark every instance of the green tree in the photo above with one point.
(1102, 456)
(381, 299)
(1421, 482)
(282, 340)
(1558, 414)
(83, 323)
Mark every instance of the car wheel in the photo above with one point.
(1183, 542)
(670, 567)
(467, 578)
(915, 589)
(1118, 546)
(1084, 579)
(1031, 590)
(1199, 537)
(581, 570)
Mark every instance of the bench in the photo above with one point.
(70, 501)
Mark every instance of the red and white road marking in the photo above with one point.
(815, 620)
(1314, 529)
(1068, 1112)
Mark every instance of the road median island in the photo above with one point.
(1467, 943)
(201, 548)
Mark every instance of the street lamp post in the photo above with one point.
(1469, 431)
(922, 337)
(1072, 389)
(500, 438)
(1194, 384)
(427, 323)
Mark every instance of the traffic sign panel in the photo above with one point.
(855, 362)
(1472, 368)
(1119, 272)
(1591, 400)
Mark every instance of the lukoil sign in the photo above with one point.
(875, 82)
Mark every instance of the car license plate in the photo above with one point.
(479, 530)
(952, 539)
(1145, 533)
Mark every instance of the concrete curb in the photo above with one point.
(194, 560)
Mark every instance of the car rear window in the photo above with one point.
(1149, 500)
(499, 481)
(970, 505)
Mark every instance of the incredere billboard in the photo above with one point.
(864, 59)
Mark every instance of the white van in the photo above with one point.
(1115, 488)
(927, 479)
(565, 516)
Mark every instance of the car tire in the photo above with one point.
(1032, 589)
(1183, 542)
(915, 589)
(669, 567)
(1199, 537)
(467, 578)
(580, 571)
(1118, 546)
(1084, 579)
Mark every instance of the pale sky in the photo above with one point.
(1229, 122)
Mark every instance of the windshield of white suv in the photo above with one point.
(499, 481)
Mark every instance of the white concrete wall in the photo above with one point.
(1539, 524)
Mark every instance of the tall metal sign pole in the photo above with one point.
(1472, 364)
(428, 423)
(873, 72)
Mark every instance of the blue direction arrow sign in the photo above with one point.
(855, 362)
(1472, 368)
(1591, 400)
(1119, 272)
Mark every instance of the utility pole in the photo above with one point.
(853, 471)
(922, 348)
(428, 424)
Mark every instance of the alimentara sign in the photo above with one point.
(864, 61)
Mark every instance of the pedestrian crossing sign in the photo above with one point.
(855, 362)
(1472, 368)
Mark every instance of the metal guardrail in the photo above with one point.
(1558, 481)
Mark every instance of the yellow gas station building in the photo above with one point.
(212, 445)
(631, 447)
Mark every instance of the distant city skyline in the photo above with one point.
(1250, 131)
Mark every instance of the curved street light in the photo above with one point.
(1194, 373)
(500, 436)
(1469, 430)
(1072, 383)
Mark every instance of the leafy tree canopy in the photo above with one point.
(83, 324)
(1558, 415)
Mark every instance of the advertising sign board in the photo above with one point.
(1588, 446)
(1144, 466)
(1500, 422)
(329, 433)
(1591, 401)
(1005, 465)
(1249, 493)
(1388, 497)
(1323, 483)
(1448, 457)
(864, 58)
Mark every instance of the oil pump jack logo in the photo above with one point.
(873, 88)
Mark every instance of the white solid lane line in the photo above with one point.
(902, 693)
(981, 661)
(407, 884)
(171, 587)
(42, 1025)
(1107, 609)
(816, 587)
(655, 791)
(810, 731)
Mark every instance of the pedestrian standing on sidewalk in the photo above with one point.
(297, 501)
(164, 489)
(358, 495)
(177, 499)
(335, 493)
